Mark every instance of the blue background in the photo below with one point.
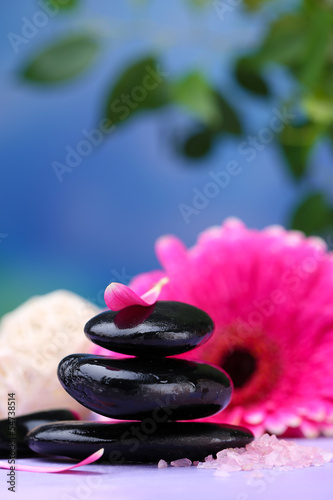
(100, 224)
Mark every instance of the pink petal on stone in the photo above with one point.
(34, 468)
(152, 295)
(118, 296)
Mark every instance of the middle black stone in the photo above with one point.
(135, 388)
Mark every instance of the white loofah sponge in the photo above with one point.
(33, 339)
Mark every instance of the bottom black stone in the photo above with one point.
(136, 442)
(12, 434)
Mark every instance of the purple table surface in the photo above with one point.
(139, 482)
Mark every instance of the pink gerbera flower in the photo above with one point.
(270, 295)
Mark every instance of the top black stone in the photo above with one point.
(164, 329)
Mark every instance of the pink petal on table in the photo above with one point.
(36, 468)
(117, 296)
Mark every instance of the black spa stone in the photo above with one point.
(163, 329)
(13, 432)
(136, 442)
(136, 388)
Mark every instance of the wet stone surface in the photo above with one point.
(25, 423)
(135, 388)
(135, 442)
(164, 329)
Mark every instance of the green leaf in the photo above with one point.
(63, 4)
(297, 158)
(230, 123)
(62, 61)
(319, 108)
(196, 94)
(330, 133)
(254, 4)
(209, 106)
(249, 77)
(297, 142)
(313, 215)
(324, 87)
(141, 86)
(317, 46)
(199, 3)
(198, 145)
(285, 42)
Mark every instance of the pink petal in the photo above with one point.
(145, 281)
(117, 296)
(255, 417)
(171, 252)
(33, 468)
(152, 295)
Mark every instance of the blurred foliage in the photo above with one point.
(129, 93)
(248, 76)
(297, 142)
(64, 4)
(300, 41)
(63, 60)
(313, 215)
(198, 144)
(254, 4)
(195, 93)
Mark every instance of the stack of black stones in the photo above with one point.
(150, 390)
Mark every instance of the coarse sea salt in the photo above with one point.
(162, 464)
(265, 453)
(182, 462)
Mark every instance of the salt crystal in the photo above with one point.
(206, 465)
(221, 454)
(182, 462)
(162, 464)
(267, 452)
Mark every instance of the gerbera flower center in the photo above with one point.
(250, 357)
(240, 365)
